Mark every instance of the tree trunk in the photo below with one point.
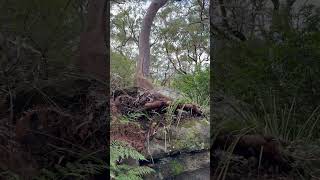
(92, 59)
(143, 66)
(281, 18)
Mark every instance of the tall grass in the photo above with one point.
(281, 121)
(299, 136)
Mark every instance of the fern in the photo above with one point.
(81, 169)
(9, 175)
(120, 150)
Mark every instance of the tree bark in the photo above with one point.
(281, 18)
(92, 59)
(143, 66)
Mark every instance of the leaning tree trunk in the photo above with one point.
(93, 51)
(143, 67)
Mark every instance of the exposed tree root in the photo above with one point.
(151, 107)
(135, 100)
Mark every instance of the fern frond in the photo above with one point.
(120, 150)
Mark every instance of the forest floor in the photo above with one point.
(170, 133)
(233, 155)
(247, 147)
(55, 132)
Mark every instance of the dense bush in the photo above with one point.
(194, 85)
(287, 69)
(122, 71)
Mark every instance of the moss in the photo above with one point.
(194, 122)
(204, 122)
(176, 167)
(189, 124)
(190, 136)
(190, 141)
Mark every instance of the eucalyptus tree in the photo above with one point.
(143, 66)
(179, 38)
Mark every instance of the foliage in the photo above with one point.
(120, 150)
(86, 165)
(177, 44)
(274, 70)
(122, 71)
(79, 170)
(195, 85)
(281, 58)
(9, 175)
(38, 40)
(283, 123)
(51, 28)
(287, 69)
(300, 137)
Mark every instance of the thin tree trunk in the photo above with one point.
(281, 18)
(143, 66)
(92, 58)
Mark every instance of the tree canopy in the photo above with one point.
(179, 37)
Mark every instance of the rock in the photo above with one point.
(181, 150)
(182, 166)
(176, 142)
(171, 93)
(191, 135)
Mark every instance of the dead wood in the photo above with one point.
(155, 105)
(138, 100)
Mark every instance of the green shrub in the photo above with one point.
(122, 71)
(195, 86)
(288, 69)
